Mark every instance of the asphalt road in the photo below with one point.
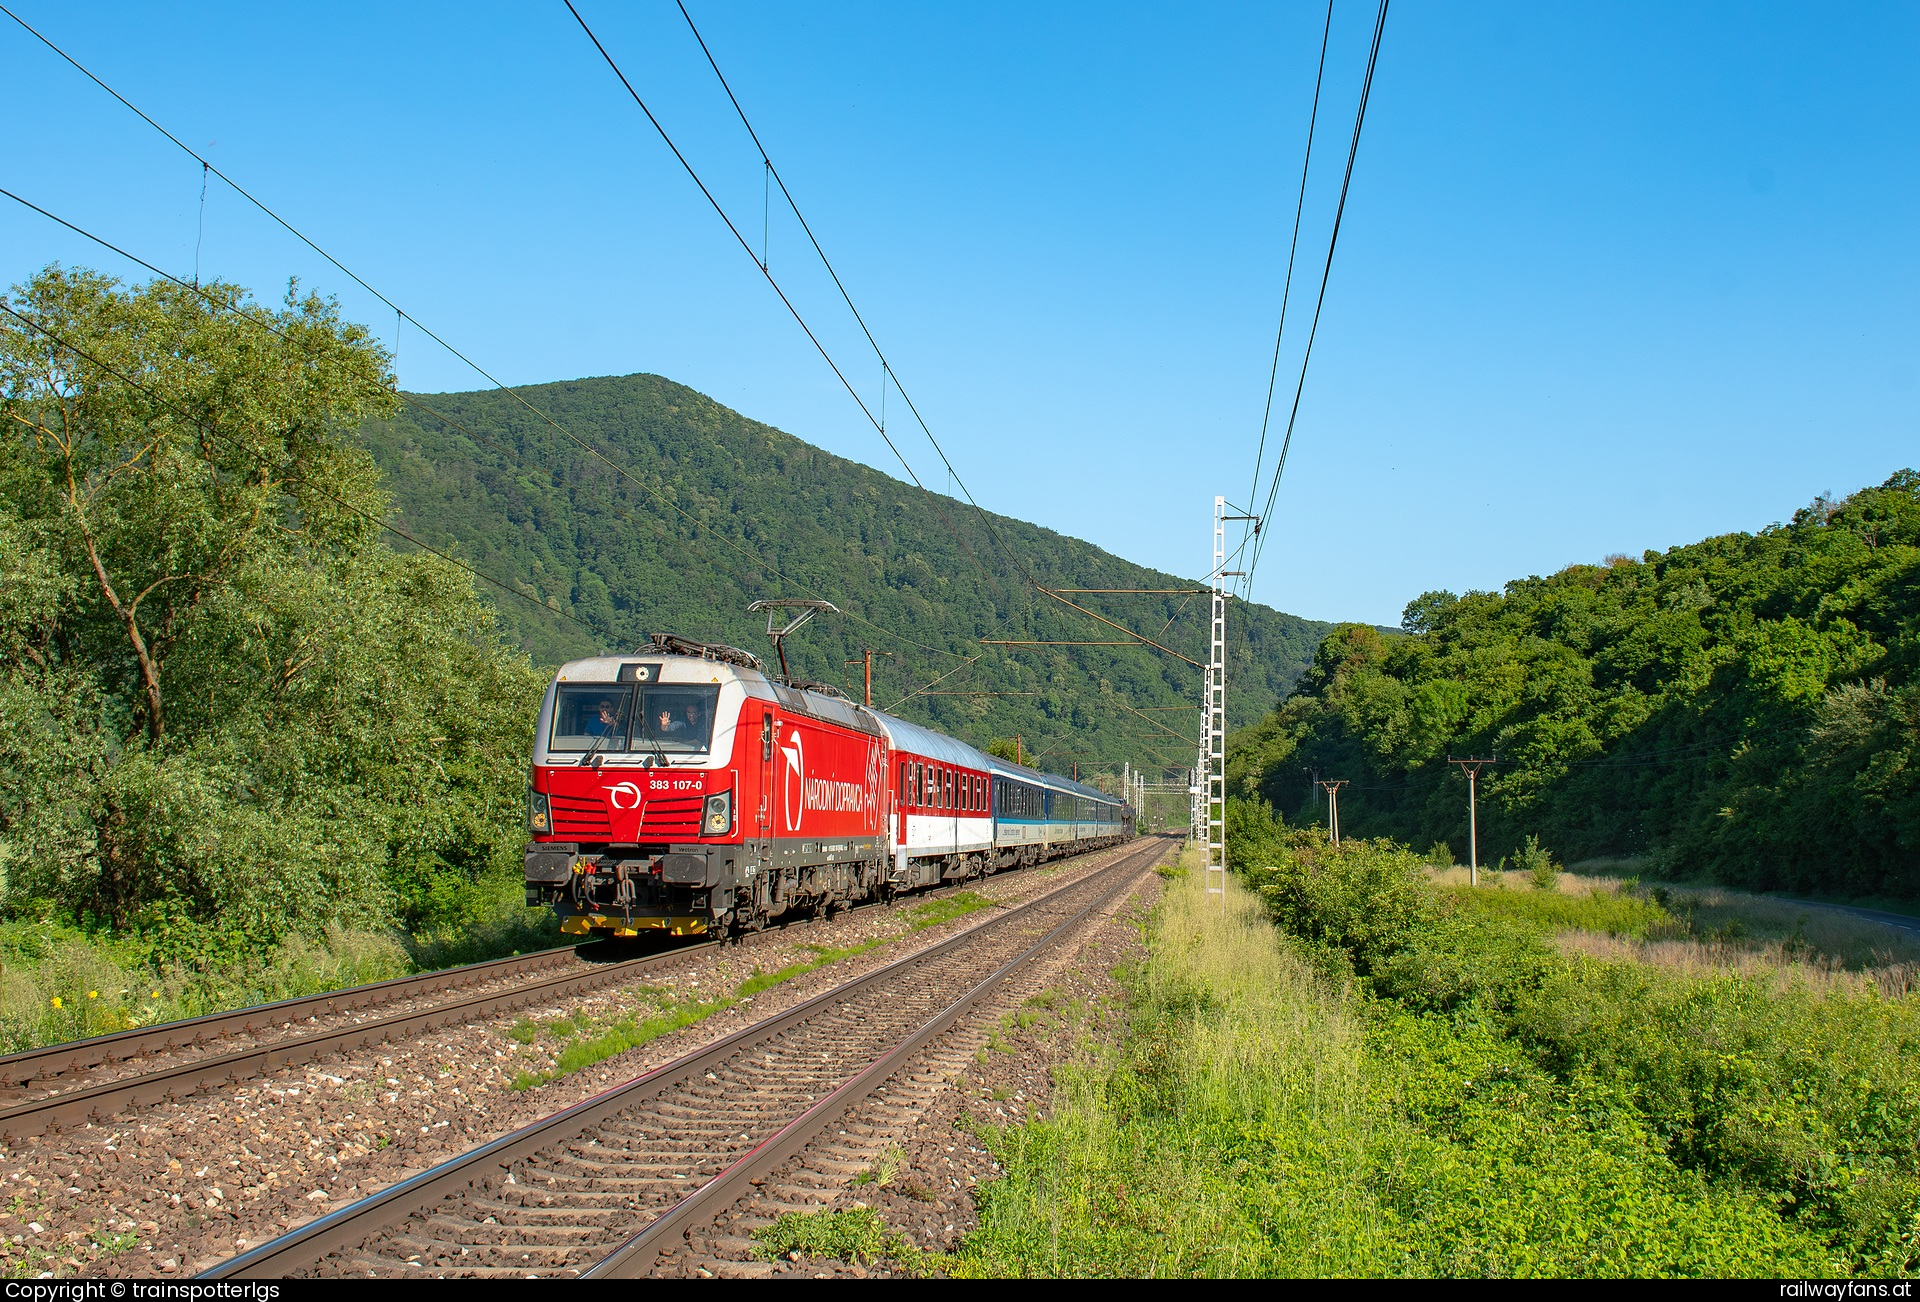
(1898, 921)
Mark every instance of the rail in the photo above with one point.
(788, 1116)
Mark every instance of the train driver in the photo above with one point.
(609, 721)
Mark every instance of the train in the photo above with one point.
(684, 789)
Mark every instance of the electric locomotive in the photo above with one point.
(684, 789)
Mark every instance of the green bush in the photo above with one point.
(1537, 864)
(1262, 1122)
(1612, 912)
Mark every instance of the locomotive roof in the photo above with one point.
(677, 666)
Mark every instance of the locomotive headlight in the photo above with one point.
(719, 813)
(539, 813)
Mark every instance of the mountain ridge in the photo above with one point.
(687, 510)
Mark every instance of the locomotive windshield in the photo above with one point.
(616, 717)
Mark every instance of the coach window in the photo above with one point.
(946, 788)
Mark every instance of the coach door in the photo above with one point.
(900, 790)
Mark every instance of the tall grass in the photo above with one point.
(1227, 1138)
(1261, 1120)
(59, 984)
(1763, 1120)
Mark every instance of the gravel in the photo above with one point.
(175, 1188)
(924, 1133)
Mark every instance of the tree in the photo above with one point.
(234, 706)
(162, 439)
(1745, 706)
(1423, 613)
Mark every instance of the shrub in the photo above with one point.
(1537, 864)
(1440, 855)
(1260, 1122)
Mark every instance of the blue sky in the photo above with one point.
(1611, 278)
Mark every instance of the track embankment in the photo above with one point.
(173, 1187)
(603, 1187)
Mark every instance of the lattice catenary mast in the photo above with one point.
(1210, 787)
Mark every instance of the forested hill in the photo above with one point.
(702, 511)
(1746, 706)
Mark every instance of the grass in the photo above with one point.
(1602, 908)
(581, 1046)
(1697, 928)
(856, 1235)
(885, 1169)
(60, 982)
(1138, 1170)
(822, 955)
(1268, 1116)
(935, 912)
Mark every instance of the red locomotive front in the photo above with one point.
(681, 788)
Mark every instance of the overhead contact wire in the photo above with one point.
(1293, 248)
(767, 274)
(128, 380)
(1326, 272)
(887, 368)
(584, 445)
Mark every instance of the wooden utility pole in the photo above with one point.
(1471, 767)
(866, 658)
(1332, 787)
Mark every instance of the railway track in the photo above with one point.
(600, 1188)
(72, 1099)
